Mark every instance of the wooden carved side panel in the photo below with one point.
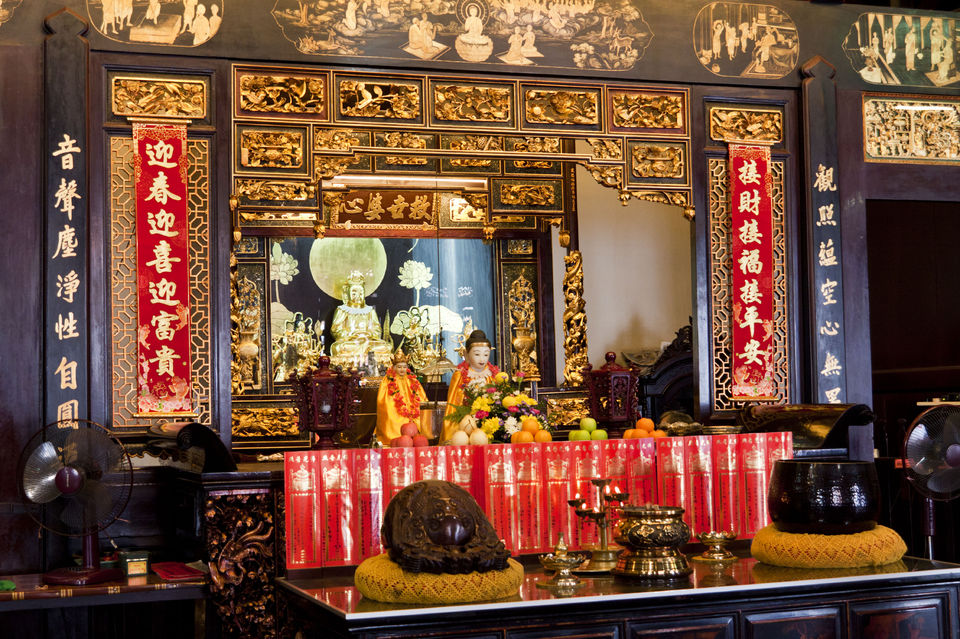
(240, 540)
(123, 285)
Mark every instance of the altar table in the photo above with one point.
(912, 598)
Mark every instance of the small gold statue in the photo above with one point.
(356, 328)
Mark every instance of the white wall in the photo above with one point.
(636, 270)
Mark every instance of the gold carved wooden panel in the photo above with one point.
(653, 160)
(721, 277)
(562, 107)
(911, 130)
(123, 283)
(377, 98)
(271, 149)
(739, 124)
(660, 112)
(469, 103)
(153, 97)
(281, 93)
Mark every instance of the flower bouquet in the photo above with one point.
(499, 408)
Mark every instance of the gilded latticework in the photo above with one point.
(574, 320)
(470, 103)
(522, 310)
(262, 93)
(271, 149)
(156, 98)
(647, 110)
(123, 289)
(721, 264)
(563, 107)
(745, 125)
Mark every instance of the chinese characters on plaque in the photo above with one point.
(830, 376)
(66, 267)
(163, 270)
(752, 250)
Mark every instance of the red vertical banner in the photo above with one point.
(698, 451)
(726, 470)
(751, 207)
(642, 470)
(558, 466)
(163, 269)
(754, 476)
(301, 483)
(337, 496)
(671, 471)
(532, 535)
(369, 500)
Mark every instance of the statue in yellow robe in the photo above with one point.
(356, 328)
(398, 400)
(476, 368)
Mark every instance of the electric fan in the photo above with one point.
(931, 457)
(75, 480)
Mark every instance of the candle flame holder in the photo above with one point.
(716, 543)
(562, 564)
(604, 558)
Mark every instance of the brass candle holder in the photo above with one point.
(716, 543)
(604, 558)
(562, 564)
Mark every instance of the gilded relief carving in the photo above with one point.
(336, 139)
(533, 144)
(468, 208)
(606, 149)
(475, 143)
(605, 175)
(527, 194)
(275, 190)
(741, 39)
(657, 160)
(519, 247)
(471, 103)
(574, 320)
(904, 50)
(745, 125)
(522, 305)
(155, 22)
(271, 149)
(593, 34)
(326, 167)
(262, 93)
(566, 411)
(158, 98)
(245, 347)
(561, 107)
(384, 100)
(404, 140)
(647, 110)
(271, 421)
(911, 130)
(7, 9)
(381, 209)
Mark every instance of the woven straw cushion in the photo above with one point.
(870, 548)
(380, 579)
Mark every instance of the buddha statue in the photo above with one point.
(356, 328)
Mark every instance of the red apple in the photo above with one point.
(409, 429)
(393, 442)
(420, 440)
(403, 441)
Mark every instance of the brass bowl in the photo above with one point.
(652, 536)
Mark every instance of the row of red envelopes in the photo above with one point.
(335, 499)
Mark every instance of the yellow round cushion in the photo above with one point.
(381, 579)
(875, 547)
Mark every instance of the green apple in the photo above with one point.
(598, 434)
(579, 436)
(588, 424)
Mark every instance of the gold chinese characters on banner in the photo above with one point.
(163, 270)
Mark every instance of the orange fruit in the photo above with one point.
(513, 437)
(530, 424)
(630, 433)
(523, 437)
(543, 436)
(659, 433)
(645, 423)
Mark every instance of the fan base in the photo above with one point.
(75, 576)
